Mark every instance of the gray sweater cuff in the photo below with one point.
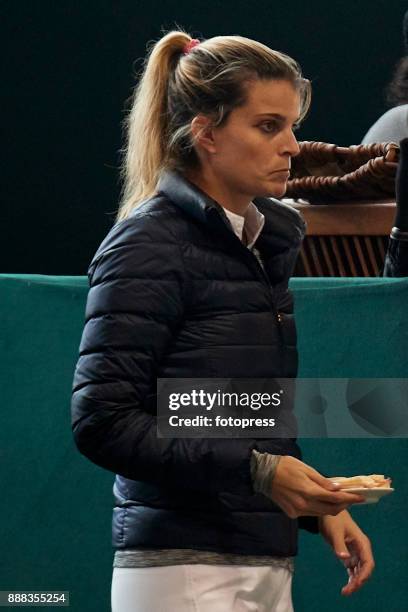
(263, 468)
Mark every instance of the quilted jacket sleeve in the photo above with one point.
(135, 306)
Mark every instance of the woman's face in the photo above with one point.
(251, 154)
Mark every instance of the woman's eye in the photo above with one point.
(273, 127)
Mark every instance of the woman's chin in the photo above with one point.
(277, 190)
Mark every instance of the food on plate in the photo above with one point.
(366, 482)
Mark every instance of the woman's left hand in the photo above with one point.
(351, 546)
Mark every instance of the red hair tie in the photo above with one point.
(190, 45)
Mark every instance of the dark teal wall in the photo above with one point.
(69, 71)
(55, 515)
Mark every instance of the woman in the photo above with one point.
(192, 282)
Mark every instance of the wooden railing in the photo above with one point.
(347, 239)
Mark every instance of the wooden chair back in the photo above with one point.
(347, 239)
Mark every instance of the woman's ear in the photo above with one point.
(202, 131)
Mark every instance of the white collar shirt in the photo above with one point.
(252, 223)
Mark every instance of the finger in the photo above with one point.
(322, 481)
(362, 569)
(366, 559)
(320, 509)
(352, 584)
(339, 497)
(342, 554)
(313, 492)
(316, 501)
(350, 588)
(340, 548)
(336, 497)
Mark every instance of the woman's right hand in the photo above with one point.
(301, 491)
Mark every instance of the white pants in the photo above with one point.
(201, 588)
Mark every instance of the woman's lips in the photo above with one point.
(283, 172)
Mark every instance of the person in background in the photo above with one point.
(392, 126)
(396, 257)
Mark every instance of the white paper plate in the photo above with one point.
(371, 495)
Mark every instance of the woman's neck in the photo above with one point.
(220, 192)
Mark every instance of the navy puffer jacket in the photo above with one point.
(175, 294)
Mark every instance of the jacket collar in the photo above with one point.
(283, 225)
(189, 197)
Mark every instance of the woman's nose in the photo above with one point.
(290, 145)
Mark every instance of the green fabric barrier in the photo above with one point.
(56, 510)
(355, 328)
